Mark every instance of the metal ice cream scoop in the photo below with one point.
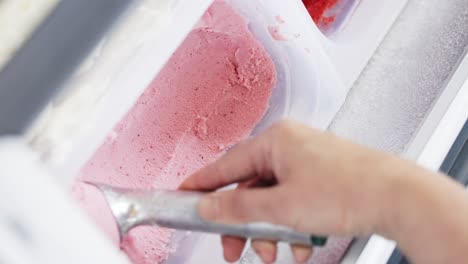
(178, 210)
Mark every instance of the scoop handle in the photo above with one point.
(255, 230)
(182, 213)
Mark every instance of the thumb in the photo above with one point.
(241, 206)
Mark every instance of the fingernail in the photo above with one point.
(267, 257)
(302, 255)
(209, 207)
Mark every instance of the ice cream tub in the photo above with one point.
(125, 62)
(120, 72)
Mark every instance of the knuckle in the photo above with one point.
(220, 202)
(284, 127)
(298, 223)
(232, 206)
(281, 134)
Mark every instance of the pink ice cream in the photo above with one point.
(209, 96)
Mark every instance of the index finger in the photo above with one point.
(244, 161)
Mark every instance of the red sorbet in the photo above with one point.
(317, 9)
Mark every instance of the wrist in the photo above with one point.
(404, 191)
(413, 195)
(426, 216)
(381, 195)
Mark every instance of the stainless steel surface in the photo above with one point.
(179, 210)
(437, 113)
(390, 103)
(390, 100)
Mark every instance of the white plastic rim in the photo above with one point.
(308, 88)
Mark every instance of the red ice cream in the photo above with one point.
(318, 8)
(210, 95)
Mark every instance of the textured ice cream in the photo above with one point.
(209, 96)
(318, 10)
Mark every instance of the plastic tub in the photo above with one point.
(127, 60)
(309, 87)
(353, 37)
(318, 70)
(335, 16)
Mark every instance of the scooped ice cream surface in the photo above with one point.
(209, 96)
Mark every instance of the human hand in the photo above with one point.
(299, 177)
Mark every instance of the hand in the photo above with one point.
(299, 177)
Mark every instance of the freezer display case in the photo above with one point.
(74, 84)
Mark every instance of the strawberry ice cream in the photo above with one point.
(209, 96)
